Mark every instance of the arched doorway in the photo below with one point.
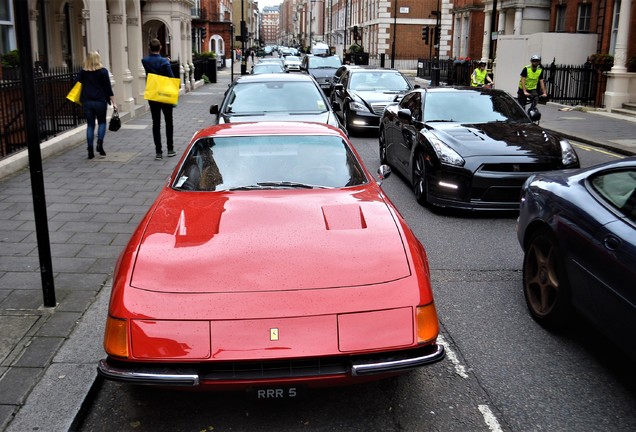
(158, 29)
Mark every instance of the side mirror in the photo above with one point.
(383, 173)
(214, 109)
(404, 114)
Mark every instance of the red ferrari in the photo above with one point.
(270, 261)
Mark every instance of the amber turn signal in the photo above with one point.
(116, 337)
(427, 324)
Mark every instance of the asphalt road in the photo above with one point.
(502, 373)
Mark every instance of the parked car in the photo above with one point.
(292, 63)
(336, 77)
(577, 229)
(267, 68)
(360, 96)
(273, 59)
(257, 267)
(274, 97)
(467, 147)
(322, 68)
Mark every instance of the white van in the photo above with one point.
(320, 49)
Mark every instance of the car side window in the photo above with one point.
(618, 189)
(412, 102)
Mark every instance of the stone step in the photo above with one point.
(630, 106)
(625, 112)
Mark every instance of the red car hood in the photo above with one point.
(268, 241)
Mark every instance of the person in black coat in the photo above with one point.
(97, 93)
(154, 63)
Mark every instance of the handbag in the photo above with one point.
(162, 89)
(75, 93)
(115, 122)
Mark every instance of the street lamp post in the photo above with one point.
(394, 32)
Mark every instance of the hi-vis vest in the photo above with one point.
(532, 79)
(478, 77)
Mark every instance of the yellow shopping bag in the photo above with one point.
(75, 93)
(163, 89)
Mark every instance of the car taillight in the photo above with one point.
(116, 337)
(427, 324)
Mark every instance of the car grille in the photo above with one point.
(500, 194)
(275, 369)
(378, 108)
(518, 167)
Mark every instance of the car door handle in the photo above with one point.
(611, 242)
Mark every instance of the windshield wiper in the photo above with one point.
(288, 184)
(275, 185)
(443, 121)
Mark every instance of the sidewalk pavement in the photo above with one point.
(48, 356)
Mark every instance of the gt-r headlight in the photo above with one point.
(358, 106)
(446, 154)
(568, 155)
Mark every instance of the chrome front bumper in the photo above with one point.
(191, 375)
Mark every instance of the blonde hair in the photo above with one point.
(93, 61)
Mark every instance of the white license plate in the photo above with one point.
(271, 393)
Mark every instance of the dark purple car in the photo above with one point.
(578, 231)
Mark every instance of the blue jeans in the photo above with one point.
(95, 110)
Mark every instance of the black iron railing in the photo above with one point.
(56, 114)
(569, 85)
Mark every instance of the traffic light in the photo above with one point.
(437, 33)
(425, 34)
(203, 33)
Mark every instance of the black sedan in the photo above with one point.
(467, 147)
(361, 94)
(578, 231)
(275, 97)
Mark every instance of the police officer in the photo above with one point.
(480, 75)
(531, 77)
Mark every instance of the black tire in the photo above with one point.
(382, 146)
(345, 122)
(545, 284)
(419, 179)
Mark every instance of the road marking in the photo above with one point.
(459, 368)
(598, 150)
(489, 418)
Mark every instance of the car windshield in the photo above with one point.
(378, 81)
(269, 162)
(472, 107)
(316, 62)
(256, 98)
(292, 59)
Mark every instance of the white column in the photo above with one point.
(464, 50)
(97, 30)
(457, 35)
(518, 20)
(485, 47)
(33, 29)
(135, 54)
(120, 69)
(618, 79)
(501, 24)
(622, 37)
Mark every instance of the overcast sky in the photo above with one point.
(263, 3)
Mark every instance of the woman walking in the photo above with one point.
(97, 93)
